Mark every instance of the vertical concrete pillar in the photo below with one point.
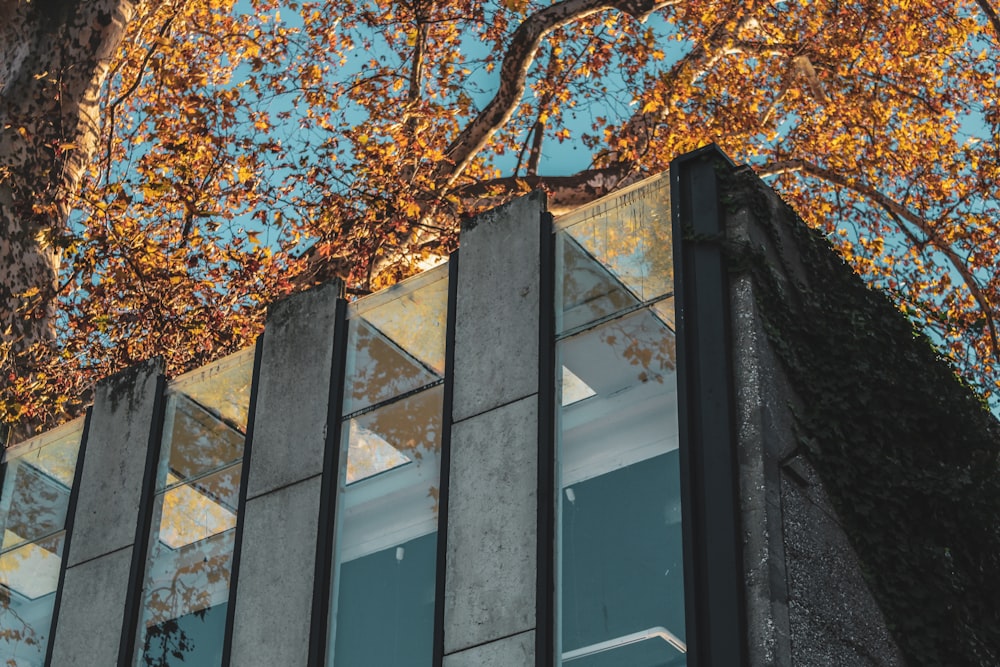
(274, 588)
(490, 613)
(88, 630)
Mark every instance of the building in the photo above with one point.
(588, 441)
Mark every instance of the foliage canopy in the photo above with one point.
(248, 149)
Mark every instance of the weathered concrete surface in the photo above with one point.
(492, 526)
(806, 600)
(834, 620)
(275, 588)
(516, 651)
(766, 437)
(89, 627)
(292, 402)
(114, 464)
(496, 338)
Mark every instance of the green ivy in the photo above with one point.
(908, 453)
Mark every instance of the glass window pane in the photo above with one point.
(614, 253)
(195, 441)
(37, 484)
(396, 340)
(386, 536)
(397, 581)
(621, 588)
(186, 587)
(200, 509)
(589, 290)
(37, 481)
(205, 421)
(187, 576)
(29, 574)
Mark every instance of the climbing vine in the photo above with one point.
(908, 453)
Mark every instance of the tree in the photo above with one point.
(248, 149)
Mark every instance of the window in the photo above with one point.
(186, 587)
(38, 477)
(389, 476)
(620, 594)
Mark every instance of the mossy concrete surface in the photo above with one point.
(869, 470)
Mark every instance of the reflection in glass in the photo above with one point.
(614, 253)
(382, 605)
(390, 436)
(186, 587)
(38, 477)
(621, 589)
(396, 340)
(386, 535)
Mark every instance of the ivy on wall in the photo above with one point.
(907, 452)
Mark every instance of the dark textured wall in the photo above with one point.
(868, 470)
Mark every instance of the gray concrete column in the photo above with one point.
(89, 627)
(491, 566)
(274, 589)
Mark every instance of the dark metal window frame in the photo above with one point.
(74, 495)
(713, 564)
(446, 422)
(326, 528)
(326, 533)
(545, 591)
(133, 597)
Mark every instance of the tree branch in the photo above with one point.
(162, 33)
(416, 68)
(898, 212)
(514, 70)
(565, 192)
(991, 14)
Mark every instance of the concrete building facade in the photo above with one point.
(573, 443)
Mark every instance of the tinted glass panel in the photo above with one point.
(386, 536)
(620, 569)
(396, 340)
(400, 579)
(37, 481)
(614, 253)
(622, 588)
(189, 556)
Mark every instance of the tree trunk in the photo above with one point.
(54, 57)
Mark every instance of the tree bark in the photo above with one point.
(565, 192)
(54, 57)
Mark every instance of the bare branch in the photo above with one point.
(565, 192)
(991, 15)
(514, 70)
(417, 69)
(162, 33)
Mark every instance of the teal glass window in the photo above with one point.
(185, 592)
(620, 590)
(389, 476)
(38, 478)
